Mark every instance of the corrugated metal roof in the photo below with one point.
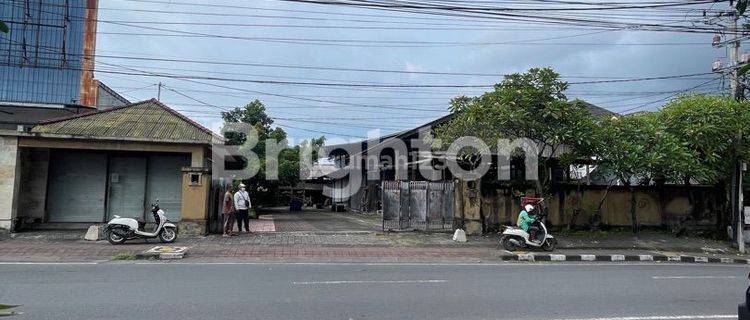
(146, 120)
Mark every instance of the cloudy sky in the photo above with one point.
(221, 54)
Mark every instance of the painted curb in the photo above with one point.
(532, 257)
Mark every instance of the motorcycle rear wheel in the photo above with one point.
(508, 244)
(549, 245)
(113, 238)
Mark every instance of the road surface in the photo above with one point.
(156, 290)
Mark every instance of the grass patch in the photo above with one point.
(124, 255)
(6, 312)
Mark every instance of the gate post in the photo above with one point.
(471, 200)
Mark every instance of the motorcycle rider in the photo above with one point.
(526, 219)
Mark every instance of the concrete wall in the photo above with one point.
(654, 207)
(195, 197)
(34, 170)
(501, 205)
(195, 201)
(9, 181)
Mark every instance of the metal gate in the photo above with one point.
(418, 205)
(215, 206)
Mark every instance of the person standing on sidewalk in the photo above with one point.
(242, 204)
(229, 212)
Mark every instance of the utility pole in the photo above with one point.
(737, 91)
(737, 166)
(158, 92)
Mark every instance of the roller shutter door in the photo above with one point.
(77, 184)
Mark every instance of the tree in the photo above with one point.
(529, 105)
(638, 149)
(710, 126)
(253, 113)
(288, 161)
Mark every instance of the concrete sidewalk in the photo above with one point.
(61, 246)
(646, 240)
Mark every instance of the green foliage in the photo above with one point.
(528, 105)
(693, 138)
(4, 313)
(741, 6)
(253, 113)
(641, 147)
(289, 163)
(709, 126)
(743, 70)
(4, 27)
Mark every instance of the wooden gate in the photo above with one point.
(417, 205)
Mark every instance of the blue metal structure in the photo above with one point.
(41, 57)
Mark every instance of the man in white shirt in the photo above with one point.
(242, 204)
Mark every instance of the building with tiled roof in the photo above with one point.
(84, 168)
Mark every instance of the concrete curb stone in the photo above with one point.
(532, 257)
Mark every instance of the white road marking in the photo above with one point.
(694, 277)
(673, 317)
(367, 281)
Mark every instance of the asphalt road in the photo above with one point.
(373, 291)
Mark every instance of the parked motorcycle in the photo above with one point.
(121, 229)
(514, 238)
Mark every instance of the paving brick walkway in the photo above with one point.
(262, 225)
(258, 247)
(280, 219)
(349, 246)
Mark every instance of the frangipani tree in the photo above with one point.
(530, 105)
(638, 149)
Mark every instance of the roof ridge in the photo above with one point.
(111, 119)
(183, 117)
(85, 114)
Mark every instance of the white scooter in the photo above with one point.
(514, 238)
(121, 229)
